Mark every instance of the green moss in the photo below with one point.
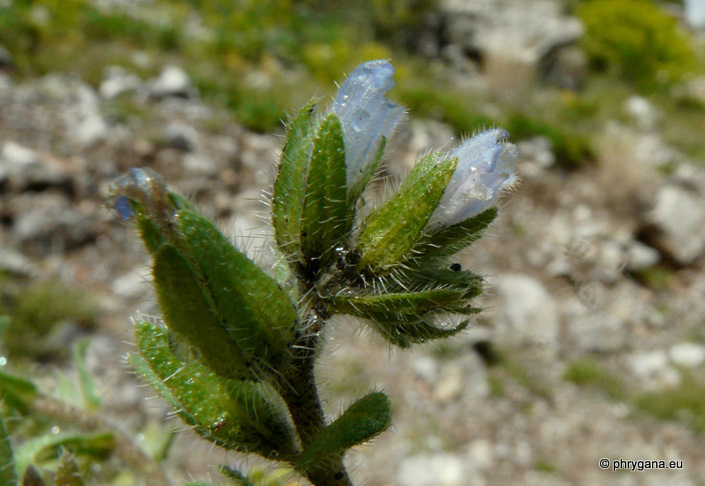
(588, 372)
(637, 40)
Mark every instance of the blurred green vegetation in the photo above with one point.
(261, 60)
(684, 403)
(42, 318)
(637, 40)
(589, 372)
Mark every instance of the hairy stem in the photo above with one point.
(125, 449)
(301, 397)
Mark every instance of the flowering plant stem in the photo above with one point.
(299, 392)
(235, 350)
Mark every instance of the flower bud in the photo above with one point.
(485, 167)
(367, 119)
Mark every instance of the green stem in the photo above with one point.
(301, 397)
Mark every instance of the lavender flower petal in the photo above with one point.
(366, 115)
(485, 167)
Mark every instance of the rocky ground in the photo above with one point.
(601, 265)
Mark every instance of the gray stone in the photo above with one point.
(688, 355)
(512, 29)
(526, 312)
(680, 215)
(52, 224)
(180, 136)
(172, 81)
(15, 263)
(594, 330)
(23, 169)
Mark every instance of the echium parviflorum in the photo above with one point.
(235, 348)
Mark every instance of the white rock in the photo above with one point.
(118, 81)
(14, 262)
(439, 469)
(680, 215)
(83, 116)
(482, 453)
(14, 154)
(640, 256)
(425, 367)
(526, 313)
(642, 111)
(200, 164)
(688, 355)
(172, 81)
(695, 13)
(653, 368)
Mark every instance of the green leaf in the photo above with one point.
(391, 305)
(17, 392)
(470, 284)
(326, 216)
(455, 238)
(149, 231)
(290, 185)
(89, 392)
(390, 232)
(8, 474)
(404, 334)
(188, 312)
(67, 473)
(254, 311)
(241, 416)
(362, 421)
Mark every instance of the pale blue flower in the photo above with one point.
(486, 165)
(365, 115)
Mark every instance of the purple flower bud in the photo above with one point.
(365, 115)
(485, 167)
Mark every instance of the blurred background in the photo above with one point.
(592, 344)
